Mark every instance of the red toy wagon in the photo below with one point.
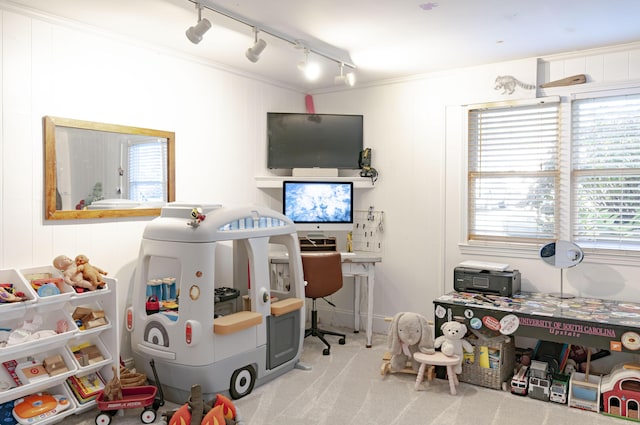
(148, 397)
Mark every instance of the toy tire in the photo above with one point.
(242, 382)
(148, 416)
(103, 419)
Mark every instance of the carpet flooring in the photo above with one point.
(347, 388)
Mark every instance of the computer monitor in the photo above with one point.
(319, 206)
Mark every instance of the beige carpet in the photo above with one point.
(347, 388)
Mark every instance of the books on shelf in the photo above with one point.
(86, 388)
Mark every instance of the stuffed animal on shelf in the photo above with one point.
(70, 274)
(451, 342)
(89, 272)
(409, 333)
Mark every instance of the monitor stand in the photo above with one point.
(314, 172)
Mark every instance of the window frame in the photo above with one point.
(530, 250)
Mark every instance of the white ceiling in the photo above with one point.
(385, 39)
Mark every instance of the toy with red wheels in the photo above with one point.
(147, 397)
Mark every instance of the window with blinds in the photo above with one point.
(513, 172)
(605, 135)
(147, 171)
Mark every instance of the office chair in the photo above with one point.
(323, 276)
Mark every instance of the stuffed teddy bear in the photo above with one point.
(70, 274)
(89, 272)
(409, 333)
(451, 342)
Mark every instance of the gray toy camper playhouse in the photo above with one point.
(225, 336)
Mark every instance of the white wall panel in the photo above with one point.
(417, 129)
(56, 69)
(616, 66)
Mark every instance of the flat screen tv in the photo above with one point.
(318, 206)
(296, 140)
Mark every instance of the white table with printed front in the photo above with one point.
(359, 265)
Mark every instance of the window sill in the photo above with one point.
(531, 251)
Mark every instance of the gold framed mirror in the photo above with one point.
(98, 170)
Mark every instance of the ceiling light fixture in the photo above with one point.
(339, 56)
(253, 53)
(348, 79)
(310, 69)
(195, 33)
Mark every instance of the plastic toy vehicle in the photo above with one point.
(225, 350)
(539, 380)
(36, 407)
(520, 381)
(132, 397)
(559, 388)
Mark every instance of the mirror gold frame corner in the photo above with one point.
(50, 169)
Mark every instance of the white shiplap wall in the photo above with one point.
(415, 127)
(51, 67)
(417, 131)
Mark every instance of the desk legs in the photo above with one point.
(358, 279)
(356, 304)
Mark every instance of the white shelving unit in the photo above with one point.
(275, 182)
(53, 315)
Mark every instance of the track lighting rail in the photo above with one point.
(338, 56)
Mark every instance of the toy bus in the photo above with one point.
(187, 248)
(559, 388)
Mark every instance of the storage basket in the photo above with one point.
(491, 372)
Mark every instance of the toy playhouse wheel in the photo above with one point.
(242, 382)
(148, 416)
(103, 418)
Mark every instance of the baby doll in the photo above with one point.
(70, 273)
(91, 273)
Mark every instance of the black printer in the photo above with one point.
(504, 283)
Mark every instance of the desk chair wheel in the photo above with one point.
(342, 341)
(326, 352)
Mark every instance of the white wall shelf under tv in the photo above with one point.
(275, 182)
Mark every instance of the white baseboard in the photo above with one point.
(344, 318)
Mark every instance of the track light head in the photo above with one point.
(310, 69)
(348, 79)
(195, 33)
(253, 53)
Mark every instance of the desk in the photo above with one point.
(360, 266)
(606, 324)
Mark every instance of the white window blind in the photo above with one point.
(606, 172)
(147, 166)
(513, 172)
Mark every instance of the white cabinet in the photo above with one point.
(41, 329)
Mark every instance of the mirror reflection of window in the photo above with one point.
(98, 170)
(103, 169)
(147, 177)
